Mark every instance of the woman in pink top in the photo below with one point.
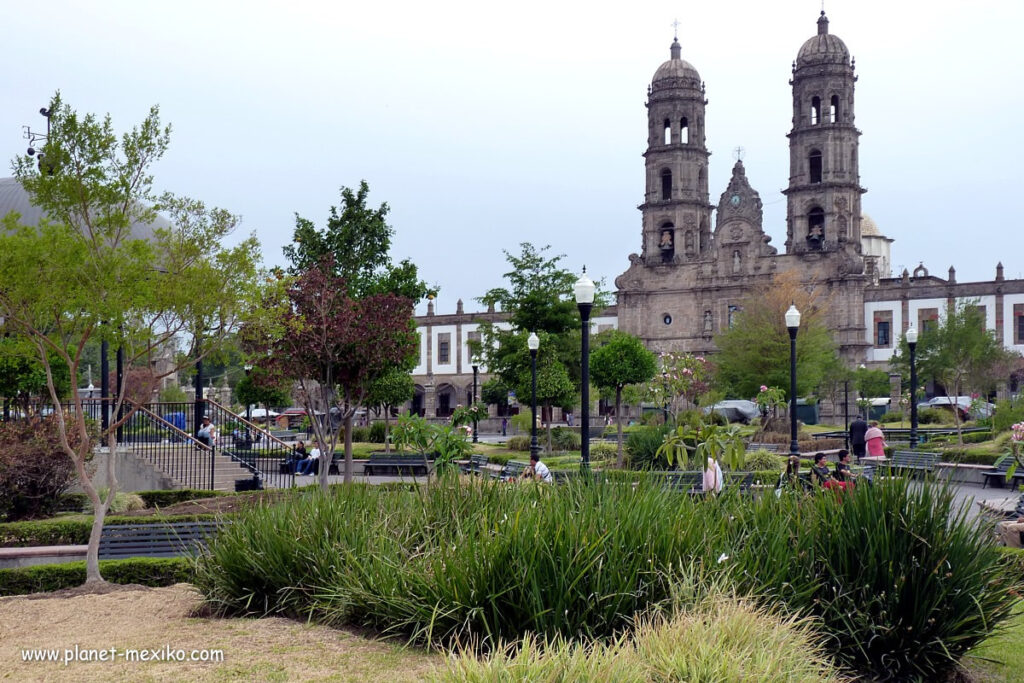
(875, 441)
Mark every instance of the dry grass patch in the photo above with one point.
(271, 649)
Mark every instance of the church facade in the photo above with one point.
(698, 260)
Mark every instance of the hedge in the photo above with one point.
(74, 531)
(146, 571)
(174, 496)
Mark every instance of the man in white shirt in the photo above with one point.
(306, 466)
(540, 470)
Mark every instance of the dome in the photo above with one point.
(868, 227)
(675, 68)
(823, 48)
(13, 197)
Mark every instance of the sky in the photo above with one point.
(484, 125)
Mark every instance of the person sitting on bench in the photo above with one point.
(820, 475)
(297, 455)
(538, 470)
(207, 434)
(306, 465)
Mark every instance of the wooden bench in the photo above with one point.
(395, 465)
(998, 475)
(475, 465)
(770, 447)
(154, 540)
(513, 469)
(920, 461)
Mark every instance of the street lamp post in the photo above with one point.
(248, 406)
(533, 343)
(912, 344)
(476, 367)
(793, 325)
(584, 291)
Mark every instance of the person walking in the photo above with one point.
(712, 477)
(857, 441)
(875, 440)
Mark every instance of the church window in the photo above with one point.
(666, 184)
(668, 132)
(816, 227)
(1018, 328)
(882, 333)
(815, 110)
(733, 310)
(814, 166)
(684, 131)
(666, 241)
(833, 111)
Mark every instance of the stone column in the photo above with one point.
(895, 391)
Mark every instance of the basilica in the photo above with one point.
(698, 260)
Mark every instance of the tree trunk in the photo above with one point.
(547, 408)
(348, 447)
(99, 507)
(618, 423)
(387, 430)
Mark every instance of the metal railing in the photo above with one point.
(174, 451)
(270, 459)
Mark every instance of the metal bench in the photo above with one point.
(513, 469)
(998, 475)
(475, 465)
(395, 465)
(685, 482)
(921, 461)
(770, 447)
(154, 540)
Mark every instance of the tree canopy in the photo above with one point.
(755, 350)
(620, 359)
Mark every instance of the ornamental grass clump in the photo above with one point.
(900, 577)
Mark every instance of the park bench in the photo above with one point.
(513, 469)
(154, 540)
(919, 461)
(770, 447)
(396, 465)
(998, 475)
(475, 465)
(685, 482)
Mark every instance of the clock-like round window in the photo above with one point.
(667, 319)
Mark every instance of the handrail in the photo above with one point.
(164, 423)
(264, 432)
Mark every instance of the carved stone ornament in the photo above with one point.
(736, 232)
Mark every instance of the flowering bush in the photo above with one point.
(769, 399)
(684, 377)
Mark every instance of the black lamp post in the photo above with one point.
(476, 367)
(248, 406)
(793, 325)
(846, 410)
(584, 291)
(912, 344)
(533, 343)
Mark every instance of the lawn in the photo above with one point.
(1000, 658)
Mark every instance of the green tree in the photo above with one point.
(494, 392)
(620, 359)
(83, 274)
(388, 391)
(23, 377)
(872, 383)
(356, 242)
(959, 354)
(755, 350)
(259, 387)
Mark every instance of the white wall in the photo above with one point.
(1009, 321)
(896, 309)
(449, 367)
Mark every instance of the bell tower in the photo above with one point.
(823, 198)
(676, 210)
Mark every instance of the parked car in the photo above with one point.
(735, 410)
(963, 406)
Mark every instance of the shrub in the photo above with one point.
(1006, 414)
(763, 460)
(361, 434)
(892, 417)
(518, 443)
(716, 418)
(72, 502)
(376, 432)
(643, 445)
(73, 531)
(162, 499)
(565, 439)
(500, 458)
(932, 416)
(34, 469)
(123, 502)
(603, 451)
(145, 571)
(722, 639)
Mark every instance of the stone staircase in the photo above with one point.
(187, 470)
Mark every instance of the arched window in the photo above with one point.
(833, 112)
(667, 241)
(668, 132)
(684, 131)
(816, 227)
(815, 110)
(814, 166)
(666, 184)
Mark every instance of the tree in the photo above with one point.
(84, 274)
(538, 298)
(356, 242)
(959, 353)
(755, 350)
(682, 379)
(494, 392)
(258, 387)
(333, 345)
(391, 389)
(23, 377)
(620, 359)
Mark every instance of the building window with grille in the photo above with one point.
(882, 334)
(444, 348)
(1018, 328)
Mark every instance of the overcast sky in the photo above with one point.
(483, 125)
